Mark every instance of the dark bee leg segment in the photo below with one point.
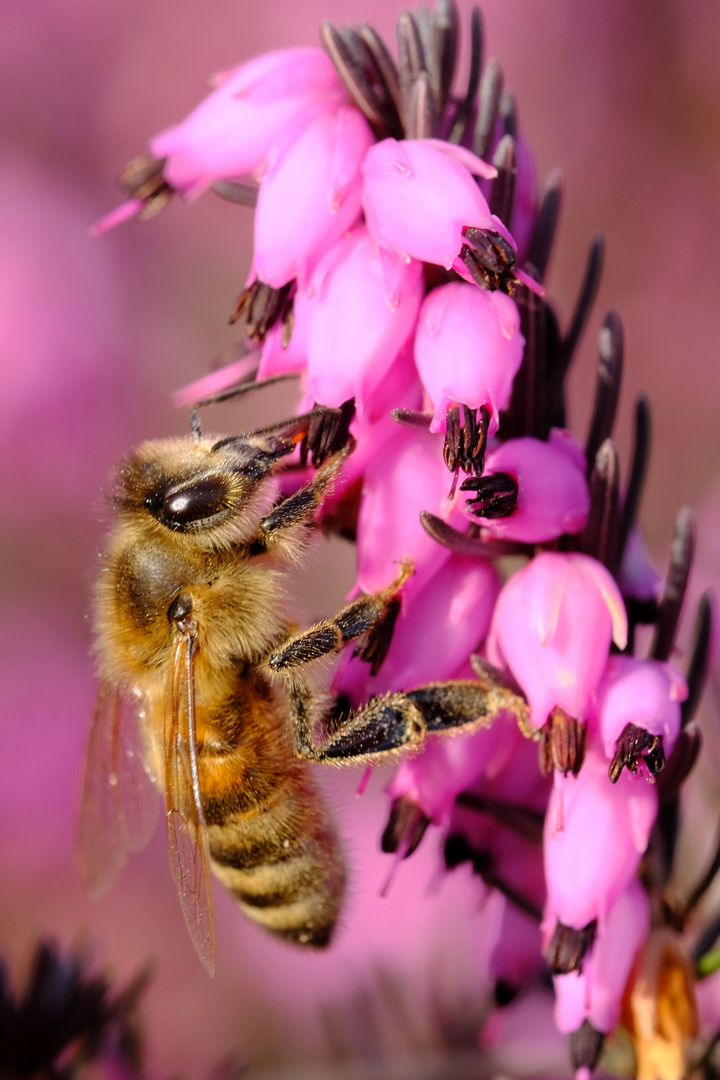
(358, 618)
(389, 723)
(299, 509)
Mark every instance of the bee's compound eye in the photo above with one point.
(195, 502)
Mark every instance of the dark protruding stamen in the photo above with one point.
(452, 447)
(522, 820)
(384, 65)
(633, 745)
(586, 1046)
(583, 307)
(679, 764)
(328, 432)
(412, 417)
(467, 543)
(474, 439)
(607, 387)
(507, 111)
(143, 179)
(561, 744)
(420, 119)
(447, 23)
(496, 495)
(682, 551)
(568, 947)
(262, 306)
(699, 656)
(502, 188)
(240, 194)
(411, 60)
(405, 827)
(489, 258)
(379, 638)
(457, 851)
(638, 471)
(599, 538)
(546, 224)
(466, 109)
(356, 64)
(491, 86)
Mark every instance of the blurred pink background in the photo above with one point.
(624, 96)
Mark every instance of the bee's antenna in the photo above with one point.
(195, 425)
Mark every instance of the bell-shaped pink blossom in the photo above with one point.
(409, 477)
(419, 193)
(595, 835)
(255, 109)
(596, 993)
(468, 349)
(363, 306)
(310, 196)
(646, 693)
(552, 628)
(460, 597)
(553, 496)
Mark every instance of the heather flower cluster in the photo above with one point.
(401, 245)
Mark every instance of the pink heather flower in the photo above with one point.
(468, 349)
(552, 628)
(419, 193)
(595, 835)
(408, 478)
(255, 110)
(595, 994)
(646, 693)
(460, 597)
(553, 496)
(310, 196)
(363, 306)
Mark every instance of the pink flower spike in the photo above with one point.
(417, 199)
(596, 995)
(361, 314)
(468, 349)
(595, 835)
(120, 214)
(552, 627)
(216, 381)
(256, 108)
(646, 693)
(553, 497)
(310, 196)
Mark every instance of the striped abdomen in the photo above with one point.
(272, 840)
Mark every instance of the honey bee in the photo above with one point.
(207, 688)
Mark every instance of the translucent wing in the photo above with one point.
(119, 801)
(186, 828)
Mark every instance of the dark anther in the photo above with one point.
(561, 744)
(466, 441)
(634, 745)
(143, 179)
(502, 188)
(491, 86)
(262, 306)
(466, 107)
(568, 947)
(380, 637)
(681, 558)
(699, 656)
(496, 495)
(405, 827)
(490, 260)
(452, 449)
(546, 224)
(328, 432)
(599, 538)
(586, 1046)
(638, 469)
(412, 418)
(607, 387)
(357, 64)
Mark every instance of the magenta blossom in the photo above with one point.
(646, 693)
(553, 497)
(595, 835)
(468, 349)
(310, 196)
(552, 627)
(255, 110)
(419, 194)
(363, 306)
(595, 994)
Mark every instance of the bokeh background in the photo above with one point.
(624, 96)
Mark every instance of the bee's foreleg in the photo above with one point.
(395, 721)
(373, 615)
